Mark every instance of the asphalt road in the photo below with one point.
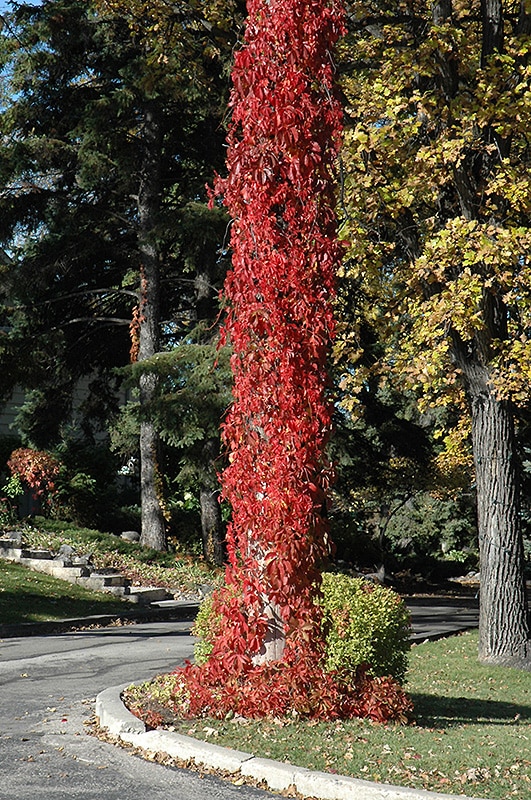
(47, 689)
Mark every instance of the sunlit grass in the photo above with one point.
(28, 596)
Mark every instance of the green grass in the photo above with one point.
(472, 733)
(27, 596)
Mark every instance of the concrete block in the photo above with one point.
(51, 567)
(7, 544)
(30, 553)
(187, 749)
(114, 716)
(109, 579)
(278, 776)
(103, 583)
(325, 786)
(145, 595)
(11, 553)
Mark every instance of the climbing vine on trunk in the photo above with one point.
(280, 191)
(283, 143)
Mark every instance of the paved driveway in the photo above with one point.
(47, 688)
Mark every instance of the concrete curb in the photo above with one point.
(117, 719)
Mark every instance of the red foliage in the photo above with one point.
(282, 689)
(153, 719)
(36, 468)
(282, 147)
(283, 143)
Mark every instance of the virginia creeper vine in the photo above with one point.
(280, 191)
(283, 140)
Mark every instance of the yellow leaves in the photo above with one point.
(360, 137)
(512, 184)
(419, 161)
(512, 371)
(454, 464)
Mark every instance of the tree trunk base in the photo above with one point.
(516, 662)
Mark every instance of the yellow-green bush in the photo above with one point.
(363, 623)
(205, 627)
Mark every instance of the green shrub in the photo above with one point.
(363, 623)
(205, 627)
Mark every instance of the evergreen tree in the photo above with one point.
(106, 146)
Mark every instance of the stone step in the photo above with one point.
(145, 595)
(36, 553)
(7, 544)
(10, 553)
(116, 584)
(169, 603)
(110, 578)
(103, 579)
(58, 570)
(10, 539)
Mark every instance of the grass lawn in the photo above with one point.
(27, 596)
(472, 733)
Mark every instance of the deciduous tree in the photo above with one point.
(437, 193)
(280, 191)
(283, 143)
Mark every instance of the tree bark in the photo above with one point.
(524, 19)
(492, 28)
(153, 532)
(441, 11)
(275, 638)
(503, 619)
(504, 622)
(211, 526)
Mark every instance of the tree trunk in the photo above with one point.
(275, 638)
(504, 623)
(448, 61)
(524, 19)
(211, 526)
(280, 195)
(153, 532)
(492, 28)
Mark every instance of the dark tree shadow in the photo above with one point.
(432, 711)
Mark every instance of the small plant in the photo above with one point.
(206, 627)
(365, 625)
(365, 635)
(288, 690)
(11, 490)
(37, 469)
